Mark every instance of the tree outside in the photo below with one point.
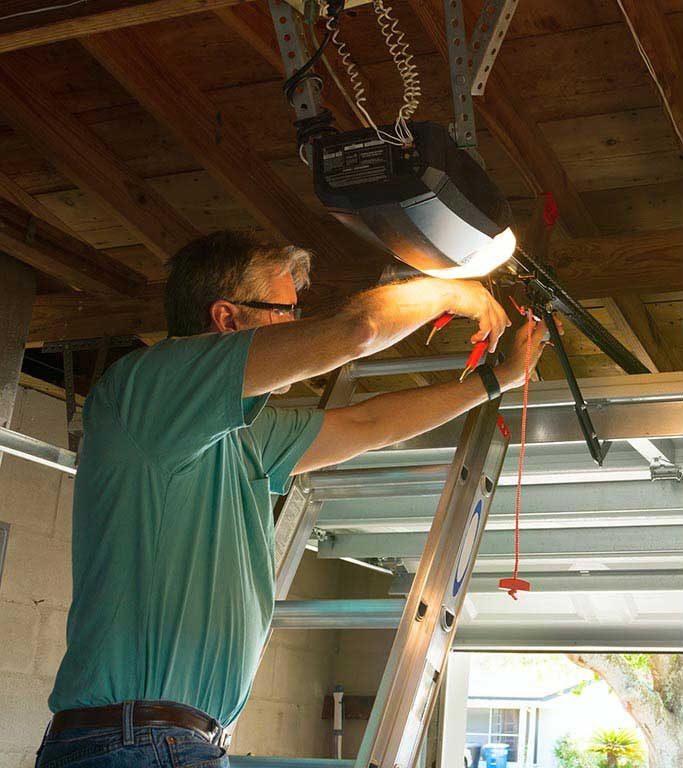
(650, 688)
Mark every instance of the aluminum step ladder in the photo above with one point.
(427, 620)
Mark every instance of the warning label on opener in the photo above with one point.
(360, 163)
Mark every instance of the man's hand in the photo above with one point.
(512, 372)
(474, 301)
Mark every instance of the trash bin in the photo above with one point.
(496, 755)
(475, 752)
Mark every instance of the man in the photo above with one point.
(173, 529)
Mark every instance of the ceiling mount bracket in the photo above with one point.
(305, 98)
(663, 470)
(489, 32)
(471, 63)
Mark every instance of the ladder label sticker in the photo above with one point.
(467, 547)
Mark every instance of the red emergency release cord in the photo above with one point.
(514, 584)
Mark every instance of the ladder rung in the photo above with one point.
(338, 614)
(393, 366)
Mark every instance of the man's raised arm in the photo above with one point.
(396, 416)
(284, 353)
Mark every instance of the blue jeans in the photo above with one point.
(130, 746)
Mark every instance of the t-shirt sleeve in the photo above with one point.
(182, 395)
(283, 436)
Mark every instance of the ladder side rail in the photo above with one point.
(300, 509)
(419, 653)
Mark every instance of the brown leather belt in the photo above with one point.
(160, 714)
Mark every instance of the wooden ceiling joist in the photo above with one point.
(12, 192)
(613, 265)
(212, 137)
(72, 21)
(658, 356)
(81, 156)
(60, 317)
(654, 38)
(49, 250)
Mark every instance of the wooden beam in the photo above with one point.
(654, 350)
(74, 21)
(46, 248)
(654, 38)
(13, 193)
(46, 388)
(18, 292)
(627, 335)
(212, 137)
(593, 267)
(254, 24)
(522, 139)
(59, 317)
(84, 158)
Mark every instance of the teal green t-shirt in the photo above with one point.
(173, 558)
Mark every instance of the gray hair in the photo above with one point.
(225, 265)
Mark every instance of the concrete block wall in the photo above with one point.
(35, 590)
(283, 716)
(362, 654)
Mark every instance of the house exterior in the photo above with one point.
(532, 725)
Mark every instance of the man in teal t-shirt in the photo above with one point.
(173, 562)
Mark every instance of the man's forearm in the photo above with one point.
(397, 416)
(372, 321)
(389, 418)
(397, 310)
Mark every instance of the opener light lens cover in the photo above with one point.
(485, 260)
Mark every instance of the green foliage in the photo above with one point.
(637, 660)
(608, 749)
(619, 748)
(578, 689)
(570, 755)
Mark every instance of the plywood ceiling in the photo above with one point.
(146, 182)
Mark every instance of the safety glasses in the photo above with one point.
(291, 310)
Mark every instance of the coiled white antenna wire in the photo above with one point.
(403, 60)
(393, 38)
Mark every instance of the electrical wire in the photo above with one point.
(398, 50)
(304, 73)
(393, 38)
(332, 27)
(312, 38)
(43, 10)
